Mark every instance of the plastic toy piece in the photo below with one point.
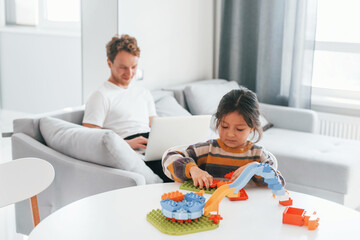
(175, 196)
(190, 208)
(214, 183)
(213, 203)
(189, 185)
(286, 202)
(242, 195)
(311, 220)
(294, 216)
(229, 175)
(216, 218)
(261, 169)
(158, 220)
(201, 193)
(300, 217)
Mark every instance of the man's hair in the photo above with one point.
(244, 102)
(123, 43)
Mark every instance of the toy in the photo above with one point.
(188, 208)
(158, 220)
(189, 185)
(261, 169)
(191, 208)
(300, 217)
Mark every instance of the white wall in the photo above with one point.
(176, 38)
(39, 71)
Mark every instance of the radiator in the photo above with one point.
(339, 126)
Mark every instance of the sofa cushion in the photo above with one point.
(30, 125)
(178, 90)
(167, 106)
(100, 146)
(204, 99)
(317, 161)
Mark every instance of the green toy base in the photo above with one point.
(189, 185)
(156, 218)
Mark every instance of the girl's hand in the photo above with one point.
(238, 171)
(200, 177)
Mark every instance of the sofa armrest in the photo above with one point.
(74, 179)
(302, 120)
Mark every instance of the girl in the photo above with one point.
(236, 118)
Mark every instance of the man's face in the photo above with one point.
(123, 69)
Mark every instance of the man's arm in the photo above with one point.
(150, 120)
(90, 125)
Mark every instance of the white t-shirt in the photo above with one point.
(125, 111)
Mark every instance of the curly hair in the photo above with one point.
(122, 43)
(244, 102)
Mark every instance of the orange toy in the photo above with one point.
(300, 217)
(175, 196)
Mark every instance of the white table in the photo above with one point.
(24, 178)
(121, 214)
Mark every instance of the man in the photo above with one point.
(119, 104)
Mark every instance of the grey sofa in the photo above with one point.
(311, 163)
(74, 179)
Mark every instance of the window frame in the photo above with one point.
(331, 100)
(43, 23)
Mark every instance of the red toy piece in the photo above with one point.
(216, 218)
(229, 175)
(214, 183)
(286, 203)
(242, 195)
(298, 216)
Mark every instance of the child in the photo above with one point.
(237, 117)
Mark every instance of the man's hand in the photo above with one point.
(138, 142)
(238, 171)
(200, 177)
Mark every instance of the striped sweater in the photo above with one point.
(214, 157)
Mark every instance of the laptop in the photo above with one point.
(167, 132)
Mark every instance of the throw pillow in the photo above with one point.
(167, 106)
(100, 146)
(204, 99)
(265, 123)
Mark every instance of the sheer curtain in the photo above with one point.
(268, 46)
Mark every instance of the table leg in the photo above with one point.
(35, 210)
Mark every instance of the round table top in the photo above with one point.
(24, 178)
(121, 214)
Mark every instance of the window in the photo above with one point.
(54, 14)
(336, 71)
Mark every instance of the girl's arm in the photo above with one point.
(178, 162)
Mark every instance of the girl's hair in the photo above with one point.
(244, 102)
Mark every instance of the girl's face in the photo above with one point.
(233, 130)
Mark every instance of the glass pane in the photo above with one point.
(26, 12)
(336, 70)
(62, 10)
(338, 21)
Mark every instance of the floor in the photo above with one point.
(7, 214)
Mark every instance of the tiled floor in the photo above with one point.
(7, 214)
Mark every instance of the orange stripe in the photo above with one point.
(171, 169)
(235, 150)
(229, 161)
(187, 169)
(202, 160)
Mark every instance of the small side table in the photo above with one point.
(23, 178)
